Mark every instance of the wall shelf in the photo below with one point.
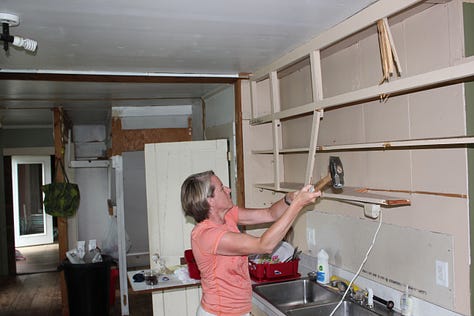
(266, 99)
(89, 164)
(353, 194)
(410, 143)
(425, 81)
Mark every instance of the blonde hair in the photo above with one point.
(194, 193)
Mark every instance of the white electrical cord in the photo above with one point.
(361, 266)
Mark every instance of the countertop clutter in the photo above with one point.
(141, 280)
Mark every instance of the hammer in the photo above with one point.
(335, 175)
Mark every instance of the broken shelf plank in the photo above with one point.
(354, 194)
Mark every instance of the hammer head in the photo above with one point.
(337, 172)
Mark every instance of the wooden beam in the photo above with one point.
(239, 144)
(62, 222)
(113, 78)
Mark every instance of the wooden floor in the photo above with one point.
(30, 294)
(39, 294)
(34, 259)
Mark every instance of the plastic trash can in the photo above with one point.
(88, 286)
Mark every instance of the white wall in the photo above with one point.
(220, 124)
(92, 215)
(135, 206)
(220, 107)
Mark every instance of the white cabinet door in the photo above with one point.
(167, 165)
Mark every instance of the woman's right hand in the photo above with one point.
(305, 196)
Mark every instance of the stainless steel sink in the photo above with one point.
(347, 308)
(295, 293)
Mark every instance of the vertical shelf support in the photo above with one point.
(317, 87)
(253, 98)
(117, 164)
(276, 126)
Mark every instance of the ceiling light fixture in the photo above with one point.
(8, 20)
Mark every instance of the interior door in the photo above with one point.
(167, 165)
(32, 225)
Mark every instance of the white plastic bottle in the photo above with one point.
(406, 303)
(323, 267)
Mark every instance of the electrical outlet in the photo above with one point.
(372, 210)
(442, 273)
(311, 236)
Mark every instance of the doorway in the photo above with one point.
(35, 241)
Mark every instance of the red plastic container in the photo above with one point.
(262, 272)
(192, 266)
(114, 274)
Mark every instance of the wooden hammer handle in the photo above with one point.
(322, 183)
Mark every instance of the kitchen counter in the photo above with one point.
(165, 282)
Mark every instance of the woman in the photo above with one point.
(221, 250)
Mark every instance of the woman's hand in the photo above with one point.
(305, 196)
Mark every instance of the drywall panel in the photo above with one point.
(295, 167)
(396, 258)
(428, 176)
(342, 126)
(389, 169)
(262, 105)
(387, 119)
(430, 52)
(246, 100)
(295, 88)
(258, 168)
(135, 211)
(219, 107)
(296, 133)
(340, 73)
(227, 131)
(92, 215)
(442, 108)
(197, 122)
(370, 71)
(88, 133)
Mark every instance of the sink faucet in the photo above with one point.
(342, 286)
(313, 275)
(361, 296)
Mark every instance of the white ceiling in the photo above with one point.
(144, 38)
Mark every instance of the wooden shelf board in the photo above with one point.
(282, 151)
(89, 164)
(408, 143)
(425, 81)
(354, 194)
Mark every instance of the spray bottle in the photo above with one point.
(323, 267)
(406, 303)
